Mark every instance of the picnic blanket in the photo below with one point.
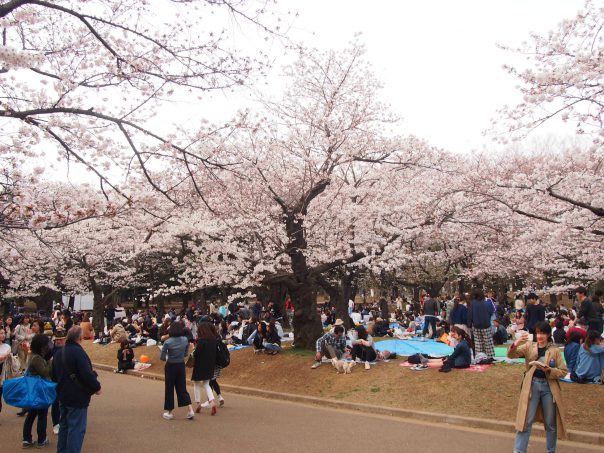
(473, 368)
(568, 379)
(233, 347)
(139, 366)
(412, 346)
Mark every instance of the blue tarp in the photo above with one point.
(410, 347)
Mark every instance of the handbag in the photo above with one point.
(223, 356)
(30, 392)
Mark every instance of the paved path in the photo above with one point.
(127, 418)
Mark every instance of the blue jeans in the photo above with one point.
(540, 395)
(430, 321)
(72, 429)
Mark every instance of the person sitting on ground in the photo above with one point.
(460, 358)
(381, 328)
(257, 337)
(331, 346)
(125, 357)
(501, 335)
(579, 326)
(356, 317)
(590, 360)
(272, 341)
(118, 333)
(571, 351)
(559, 334)
(87, 330)
(362, 347)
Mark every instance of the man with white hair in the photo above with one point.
(76, 383)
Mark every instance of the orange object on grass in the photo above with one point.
(144, 359)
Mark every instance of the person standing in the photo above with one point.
(173, 352)
(479, 319)
(430, 314)
(37, 366)
(588, 310)
(204, 364)
(535, 312)
(55, 412)
(76, 383)
(23, 336)
(4, 355)
(540, 387)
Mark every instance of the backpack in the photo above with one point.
(223, 356)
(11, 368)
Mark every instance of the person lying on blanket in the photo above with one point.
(590, 360)
(460, 358)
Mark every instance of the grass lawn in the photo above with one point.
(492, 394)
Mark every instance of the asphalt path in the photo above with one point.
(127, 418)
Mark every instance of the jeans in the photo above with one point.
(176, 379)
(42, 415)
(540, 395)
(272, 347)
(430, 320)
(72, 429)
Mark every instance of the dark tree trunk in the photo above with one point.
(161, 308)
(186, 298)
(71, 302)
(307, 322)
(98, 308)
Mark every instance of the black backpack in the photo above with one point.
(223, 356)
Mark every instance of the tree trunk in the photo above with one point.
(71, 303)
(307, 322)
(98, 308)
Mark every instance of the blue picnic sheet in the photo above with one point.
(410, 347)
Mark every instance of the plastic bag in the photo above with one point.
(29, 392)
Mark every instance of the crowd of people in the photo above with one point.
(562, 339)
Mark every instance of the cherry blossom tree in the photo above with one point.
(86, 81)
(564, 78)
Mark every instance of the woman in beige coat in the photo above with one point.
(540, 396)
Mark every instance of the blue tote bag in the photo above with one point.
(29, 392)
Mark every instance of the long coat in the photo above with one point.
(530, 353)
(205, 360)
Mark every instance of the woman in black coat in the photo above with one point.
(204, 363)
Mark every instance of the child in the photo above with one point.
(125, 357)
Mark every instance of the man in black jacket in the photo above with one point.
(588, 310)
(76, 383)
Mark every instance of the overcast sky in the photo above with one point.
(438, 59)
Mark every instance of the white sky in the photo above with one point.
(437, 59)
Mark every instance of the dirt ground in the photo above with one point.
(492, 394)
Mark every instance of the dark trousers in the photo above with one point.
(32, 414)
(124, 366)
(0, 398)
(55, 413)
(214, 386)
(176, 379)
(72, 429)
(430, 320)
(365, 353)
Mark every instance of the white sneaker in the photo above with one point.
(191, 415)
(55, 429)
(206, 404)
(367, 366)
(168, 416)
